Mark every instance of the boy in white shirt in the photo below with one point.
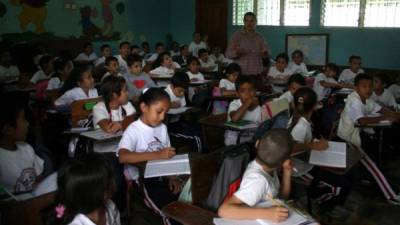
(145, 53)
(260, 182)
(183, 56)
(194, 70)
(216, 55)
(295, 82)
(324, 82)
(88, 56)
(159, 49)
(106, 52)
(280, 73)
(381, 95)
(46, 64)
(8, 72)
(348, 75)
(124, 49)
(176, 90)
(206, 63)
(247, 107)
(112, 66)
(297, 65)
(395, 89)
(196, 44)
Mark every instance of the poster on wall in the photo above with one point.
(315, 47)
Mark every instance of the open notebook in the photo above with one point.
(334, 156)
(100, 135)
(295, 218)
(177, 111)
(177, 165)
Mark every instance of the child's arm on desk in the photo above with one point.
(126, 156)
(387, 114)
(233, 208)
(110, 127)
(286, 178)
(248, 104)
(321, 144)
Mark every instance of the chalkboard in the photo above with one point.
(314, 47)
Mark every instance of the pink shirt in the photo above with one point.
(252, 46)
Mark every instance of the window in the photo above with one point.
(361, 13)
(273, 12)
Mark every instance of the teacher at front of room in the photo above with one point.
(248, 48)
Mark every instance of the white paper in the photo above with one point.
(200, 82)
(248, 126)
(177, 111)
(100, 135)
(177, 165)
(334, 156)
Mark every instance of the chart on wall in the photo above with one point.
(313, 46)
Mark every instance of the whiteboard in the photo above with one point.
(313, 46)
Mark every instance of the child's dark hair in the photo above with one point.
(282, 56)
(124, 43)
(145, 43)
(180, 79)
(10, 113)
(82, 185)
(134, 46)
(45, 60)
(353, 57)
(274, 147)
(362, 76)
(191, 59)
(59, 64)
(159, 44)
(132, 59)
(87, 44)
(153, 95)
(250, 14)
(245, 80)
(202, 51)
(232, 68)
(109, 59)
(304, 101)
(111, 85)
(382, 77)
(296, 78)
(299, 52)
(160, 59)
(104, 47)
(333, 67)
(74, 78)
(183, 47)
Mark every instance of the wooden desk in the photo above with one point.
(188, 214)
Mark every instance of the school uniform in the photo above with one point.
(194, 48)
(220, 106)
(75, 94)
(100, 61)
(395, 89)
(54, 84)
(297, 68)
(84, 57)
(181, 60)
(209, 64)
(175, 98)
(321, 91)
(198, 76)
(257, 184)
(348, 76)
(227, 85)
(152, 58)
(219, 58)
(254, 116)
(40, 75)
(287, 95)
(19, 168)
(274, 73)
(9, 72)
(173, 54)
(123, 65)
(112, 216)
(386, 99)
(109, 74)
(162, 70)
(145, 55)
(136, 83)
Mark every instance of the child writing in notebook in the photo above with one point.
(112, 66)
(381, 95)
(83, 197)
(280, 73)
(297, 65)
(325, 81)
(80, 85)
(260, 181)
(336, 187)
(147, 139)
(247, 107)
(164, 65)
(348, 75)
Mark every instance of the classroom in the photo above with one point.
(199, 112)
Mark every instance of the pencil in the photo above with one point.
(274, 201)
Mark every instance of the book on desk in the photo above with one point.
(177, 165)
(241, 124)
(334, 156)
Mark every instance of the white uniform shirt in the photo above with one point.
(287, 95)
(112, 216)
(175, 98)
(75, 94)
(39, 75)
(295, 68)
(194, 48)
(347, 76)
(395, 89)
(123, 65)
(83, 57)
(227, 85)
(199, 76)
(274, 73)
(99, 61)
(8, 72)
(386, 99)
(319, 89)
(54, 83)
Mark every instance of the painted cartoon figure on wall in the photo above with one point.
(89, 29)
(33, 11)
(107, 17)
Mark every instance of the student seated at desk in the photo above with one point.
(279, 74)
(295, 82)
(261, 182)
(194, 70)
(196, 44)
(176, 90)
(348, 75)
(325, 81)
(88, 56)
(124, 48)
(174, 49)
(135, 50)
(206, 63)
(381, 95)
(46, 64)
(395, 89)
(145, 53)
(334, 186)
(147, 139)
(63, 68)
(8, 72)
(226, 87)
(184, 55)
(106, 52)
(297, 65)
(80, 85)
(112, 66)
(136, 79)
(164, 65)
(358, 110)
(159, 49)
(217, 56)
(245, 108)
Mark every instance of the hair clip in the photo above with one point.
(60, 210)
(144, 90)
(300, 100)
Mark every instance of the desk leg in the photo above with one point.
(380, 148)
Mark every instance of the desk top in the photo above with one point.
(188, 214)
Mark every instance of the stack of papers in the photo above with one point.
(176, 165)
(334, 156)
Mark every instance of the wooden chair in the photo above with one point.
(81, 109)
(213, 137)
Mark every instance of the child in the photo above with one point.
(174, 50)
(347, 76)
(176, 90)
(159, 50)
(136, 79)
(63, 68)
(297, 65)
(147, 139)
(245, 108)
(135, 50)
(206, 63)
(164, 65)
(46, 64)
(359, 106)
(145, 53)
(325, 81)
(124, 48)
(106, 52)
(80, 85)
(381, 95)
(85, 187)
(395, 89)
(112, 66)
(279, 74)
(196, 44)
(182, 58)
(8, 72)
(194, 70)
(295, 82)
(216, 55)
(88, 56)
(260, 181)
